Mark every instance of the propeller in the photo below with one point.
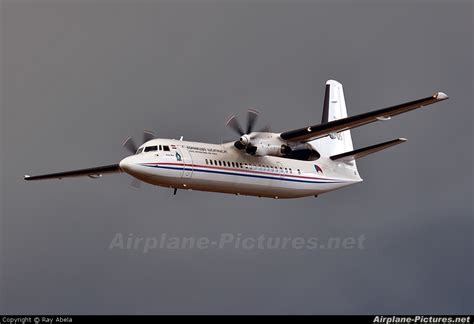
(148, 135)
(252, 116)
(265, 129)
(233, 123)
(135, 183)
(245, 139)
(132, 147)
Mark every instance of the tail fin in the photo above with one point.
(334, 108)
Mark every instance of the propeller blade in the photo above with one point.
(260, 133)
(265, 129)
(252, 116)
(135, 183)
(148, 135)
(234, 124)
(130, 145)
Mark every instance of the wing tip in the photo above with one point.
(403, 139)
(26, 177)
(440, 96)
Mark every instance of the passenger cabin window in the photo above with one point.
(151, 148)
(166, 148)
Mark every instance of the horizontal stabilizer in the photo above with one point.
(91, 173)
(357, 154)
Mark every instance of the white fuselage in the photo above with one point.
(223, 168)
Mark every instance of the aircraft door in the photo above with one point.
(183, 156)
(280, 169)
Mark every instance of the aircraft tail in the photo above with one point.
(334, 108)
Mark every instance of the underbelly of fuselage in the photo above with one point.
(238, 182)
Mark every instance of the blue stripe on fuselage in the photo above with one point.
(238, 174)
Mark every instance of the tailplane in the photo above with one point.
(359, 153)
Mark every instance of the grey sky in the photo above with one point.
(77, 77)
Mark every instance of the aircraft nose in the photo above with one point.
(127, 164)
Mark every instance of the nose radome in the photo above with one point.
(126, 164)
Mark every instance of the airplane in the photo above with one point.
(303, 162)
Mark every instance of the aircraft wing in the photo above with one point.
(317, 131)
(91, 173)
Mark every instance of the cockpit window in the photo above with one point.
(140, 150)
(165, 148)
(151, 148)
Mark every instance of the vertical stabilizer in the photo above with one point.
(334, 108)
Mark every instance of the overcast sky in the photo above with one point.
(77, 77)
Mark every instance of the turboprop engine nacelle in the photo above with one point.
(302, 151)
(263, 149)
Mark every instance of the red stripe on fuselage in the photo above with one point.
(240, 170)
